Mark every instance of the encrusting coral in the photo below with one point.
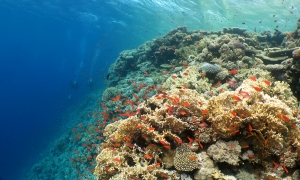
(254, 118)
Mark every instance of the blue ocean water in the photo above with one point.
(54, 54)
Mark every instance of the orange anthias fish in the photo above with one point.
(250, 128)
(234, 71)
(151, 129)
(181, 90)
(257, 88)
(233, 113)
(116, 98)
(190, 139)
(147, 156)
(244, 94)
(186, 104)
(182, 112)
(169, 109)
(218, 83)
(267, 82)
(285, 117)
(205, 111)
(193, 158)
(253, 78)
(237, 98)
(117, 159)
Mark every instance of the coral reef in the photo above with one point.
(194, 105)
(223, 105)
(254, 117)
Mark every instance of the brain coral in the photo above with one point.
(185, 159)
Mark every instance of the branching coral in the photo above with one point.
(144, 145)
